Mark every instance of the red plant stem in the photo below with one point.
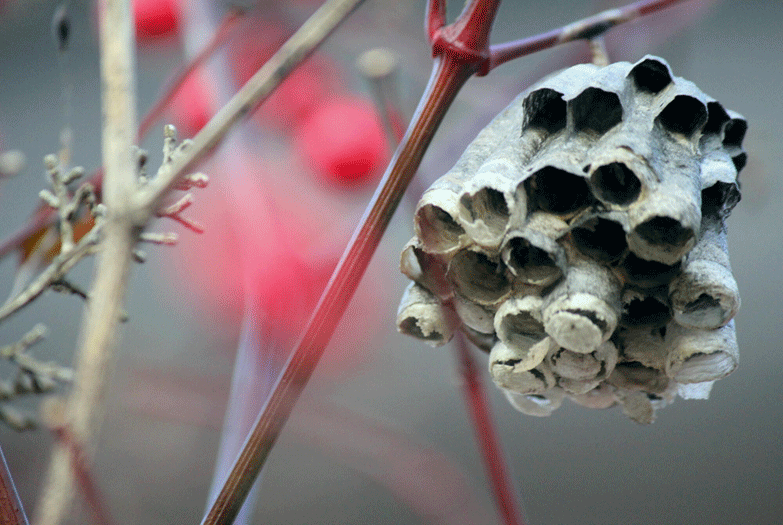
(484, 428)
(83, 476)
(447, 78)
(11, 510)
(586, 28)
(473, 388)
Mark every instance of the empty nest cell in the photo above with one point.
(684, 115)
(596, 110)
(651, 75)
(438, 230)
(557, 191)
(601, 239)
(545, 109)
(479, 278)
(615, 183)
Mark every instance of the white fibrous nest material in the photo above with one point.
(580, 240)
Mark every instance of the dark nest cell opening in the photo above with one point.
(645, 311)
(489, 205)
(597, 110)
(734, 133)
(600, 239)
(648, 273)
(556, 191)
(664, 231)
(650, 75)
(740, 161)
(545, 109)
(410, 326)
(616, 183)
(716, 117)
(438, 229)
(684, 115)
(719, 199)
(524, 255)
(477, 277)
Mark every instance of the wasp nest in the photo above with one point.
(580, 239)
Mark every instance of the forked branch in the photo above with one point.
(460, 50)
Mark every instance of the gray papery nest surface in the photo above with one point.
(580, 240)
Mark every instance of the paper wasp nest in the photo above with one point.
(580, 239)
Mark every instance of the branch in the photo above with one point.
(484, 428)
(99, 328)
(70, 253)
(42, 218)
(223, 33)
(53, 273)
(585, 29)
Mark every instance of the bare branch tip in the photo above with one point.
(167, 239)
(51, 162)
(49, 198)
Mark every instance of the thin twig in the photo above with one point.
(380, 68)
(103, 312)
(584, 29)
(53, 273)
(484, 428)
(301, 44)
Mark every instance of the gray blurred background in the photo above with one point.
(704, 462)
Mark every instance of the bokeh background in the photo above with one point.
(381, 432)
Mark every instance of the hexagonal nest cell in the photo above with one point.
(604, 289)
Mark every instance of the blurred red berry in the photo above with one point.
(344, 141)
(156, 18)
(192, 105)
(261, 245)
(277, 249)
(252, 49)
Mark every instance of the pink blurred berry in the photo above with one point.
(343, 140)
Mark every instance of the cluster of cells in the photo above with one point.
(581, 241)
